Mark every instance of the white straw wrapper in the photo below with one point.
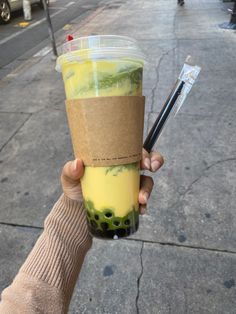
(188, 75)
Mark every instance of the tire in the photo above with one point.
(5, 12)
(41, 3)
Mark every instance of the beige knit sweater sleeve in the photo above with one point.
(46, 280)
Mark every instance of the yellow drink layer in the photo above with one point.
(112, 188)
(109, 192)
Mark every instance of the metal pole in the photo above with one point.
(50, 29)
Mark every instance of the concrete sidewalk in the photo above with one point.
(183, 259)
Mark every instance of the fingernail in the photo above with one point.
(145, 196)
(155, 165)
(75, 165)
(147, 163)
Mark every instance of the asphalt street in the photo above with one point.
(19, 42)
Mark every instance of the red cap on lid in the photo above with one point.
(69, 37)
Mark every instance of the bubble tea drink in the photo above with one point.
(104, 66)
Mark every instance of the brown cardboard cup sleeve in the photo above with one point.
(107, 131)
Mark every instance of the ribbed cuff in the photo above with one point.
(59, 252)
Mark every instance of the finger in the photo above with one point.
(142, 209)
(72, 171)
(146, 161)
(145, 189)
(157, 161)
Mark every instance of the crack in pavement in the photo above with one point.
(139, 277)
(14, 112)
(20, 226)
(158, 75)
(174, 244)
(202, 175)
(143, 242)
(17, 130)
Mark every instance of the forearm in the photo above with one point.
(46, 280)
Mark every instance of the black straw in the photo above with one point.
(162, 117)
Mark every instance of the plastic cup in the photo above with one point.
(100, 66)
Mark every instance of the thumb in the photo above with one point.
(72, 172)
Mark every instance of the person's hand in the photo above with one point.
(151, 162)
(74, 170)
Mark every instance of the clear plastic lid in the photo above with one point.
(100, 47)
